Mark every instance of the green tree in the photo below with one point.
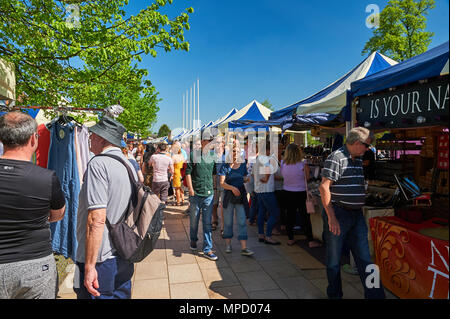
(164, 130)
(312, 140)
(401, 33)
(86, 51)
(267, 104)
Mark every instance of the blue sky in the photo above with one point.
(283, 51)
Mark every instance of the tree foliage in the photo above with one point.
(164, 130)
(88, 52)
(401, 33)
(267, 104)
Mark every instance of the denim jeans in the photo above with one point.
(201, 206)
(228, 214)
(114, 279)
(267, 202)
(354, 233)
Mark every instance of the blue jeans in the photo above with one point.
(228, 214)
(267, 202)
(114, 279)
(201, 206)
(354, 233)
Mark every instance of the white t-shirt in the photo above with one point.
(264, 165)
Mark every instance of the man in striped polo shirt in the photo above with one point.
(343, 195)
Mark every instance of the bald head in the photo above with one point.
(16, 129)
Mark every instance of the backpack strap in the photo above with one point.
(118, 158)
(133, 183)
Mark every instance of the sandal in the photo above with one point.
(291, 242)
(314, 244)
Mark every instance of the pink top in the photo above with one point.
(161, 164)
(293, 177)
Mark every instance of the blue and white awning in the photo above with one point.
(429, 64)
(333, 98)
(254, 111)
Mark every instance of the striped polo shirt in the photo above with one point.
(348, 179)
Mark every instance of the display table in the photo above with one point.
(412, 265)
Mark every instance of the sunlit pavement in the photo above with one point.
(173, 271)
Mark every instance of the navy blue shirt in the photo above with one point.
(234, 177)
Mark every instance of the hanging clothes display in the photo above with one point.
(81, 138)
(62, 159)
(43, 146)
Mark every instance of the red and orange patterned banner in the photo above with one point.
(411, 265)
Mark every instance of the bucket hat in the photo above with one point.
(110, 130)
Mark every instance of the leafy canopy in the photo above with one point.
(164, 130)
(401, 34)
(88, 52)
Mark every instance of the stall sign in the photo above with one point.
(412, 265)
(418, 104)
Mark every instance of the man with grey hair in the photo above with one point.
(30, 198)
(101, 273)
(343, 195)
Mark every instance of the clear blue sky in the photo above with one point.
(256, 49)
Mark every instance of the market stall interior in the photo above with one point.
(407, 105)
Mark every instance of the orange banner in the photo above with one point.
(412, 265)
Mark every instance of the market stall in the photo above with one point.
(408, 105)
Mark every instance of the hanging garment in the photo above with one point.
(62, 159)
(43, 146)
(82, 149)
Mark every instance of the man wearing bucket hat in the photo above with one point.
(100, 273)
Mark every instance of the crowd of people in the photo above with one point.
(274, 201)
(223, 180)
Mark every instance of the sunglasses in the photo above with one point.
(365, 144)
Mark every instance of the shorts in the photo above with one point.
(29, 279)
(218, 196)
(161, 189)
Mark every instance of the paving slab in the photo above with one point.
(220, 277)
(232, 292)
(150, 289)
(184, 273)
(151, 270)
(256, 280)
(190, 290)
(268, 294)
(300, 288)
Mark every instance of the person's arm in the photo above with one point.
(306, 170)
(325, 195)
(58, 202)
(140, 176)
(189, 184)
(56, 214)
(235, 190)
(94, 234)
(171, 169)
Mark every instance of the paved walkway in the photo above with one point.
(172, 271)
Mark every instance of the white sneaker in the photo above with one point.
(228, 249)
(246, 252)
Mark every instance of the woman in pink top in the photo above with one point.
(295, 173)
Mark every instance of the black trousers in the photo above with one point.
(279, 194)
(296, 201)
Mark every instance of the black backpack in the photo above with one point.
(135, 234)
